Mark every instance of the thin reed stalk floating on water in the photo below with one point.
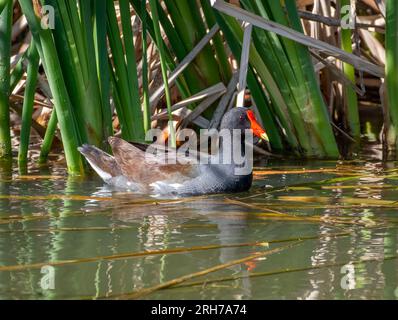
(130, 255)
(282, 271)
(173, 282)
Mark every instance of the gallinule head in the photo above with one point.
(129, 166)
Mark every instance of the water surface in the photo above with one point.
(326, 231)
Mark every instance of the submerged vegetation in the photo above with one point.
(100, 69)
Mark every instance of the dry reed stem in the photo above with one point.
(126, 256)
(283, 271)
(147, 291)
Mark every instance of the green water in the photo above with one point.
(91, 242)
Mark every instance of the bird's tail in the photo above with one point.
(103, 163)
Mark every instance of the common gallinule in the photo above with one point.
(128, 168)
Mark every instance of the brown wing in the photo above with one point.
(145, 167)
(195, 155)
